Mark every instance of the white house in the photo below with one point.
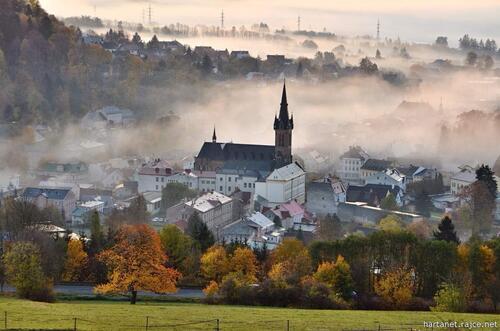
(230, 180)
(351, 163)
(254, 229)
(463, 178)
(153, 202)
(282, 185)
(390, 177)
(152, 176)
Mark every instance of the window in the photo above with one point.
(220, 189)
(229, 188)
(157, 179)
(228, 179)
(162, 179)
(221, 179)
(157, 187)
(245, 185)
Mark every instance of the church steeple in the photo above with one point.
(283, 126)
(214, 136)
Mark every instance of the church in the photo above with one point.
(217, 156)
(267, 172)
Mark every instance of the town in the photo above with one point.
(343, 173)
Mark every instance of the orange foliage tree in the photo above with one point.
(76, 262)
(137, 263)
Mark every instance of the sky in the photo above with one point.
(412, 20)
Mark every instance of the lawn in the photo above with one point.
(111, 315)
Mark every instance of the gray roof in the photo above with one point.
(50, 193)
(376, 165)
(320, 187)
(370, 193)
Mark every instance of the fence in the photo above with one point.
(33, 321)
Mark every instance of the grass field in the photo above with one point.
(109, 315)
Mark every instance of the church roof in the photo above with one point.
(239, 156)
(283, 121)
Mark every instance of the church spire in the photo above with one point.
(214, 136)
(283, 120)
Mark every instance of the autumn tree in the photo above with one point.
(243, 264)
(391, 223)
(396, 287)
(215, 263)
(136, 262)
(291, 262)
(337, 275)
(76, 262)
(23, 269)
(446, 231)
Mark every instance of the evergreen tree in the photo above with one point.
(206, 65)
(199, 231)
(423, 204)
(389, 202)
(96, 234)
(446, 231)
(485, 174)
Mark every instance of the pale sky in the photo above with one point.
(414, 20)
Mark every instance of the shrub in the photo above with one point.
(450, 298)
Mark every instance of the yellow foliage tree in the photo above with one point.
(244, 264)
(215, 263)
(396, 287)
(137, 263)
(336, 276)
(76, 261)
(292, 257)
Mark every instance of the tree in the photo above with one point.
(137, 263)
(481, 266)
(389, 202)
(136, 39)
(396, 287)
(76, 262)
(330, 228)
(378, 55)
(23, 270)
(421, 229)
(206, 65)
(291, 261)
(173, 193)
(199, 231)
(423, 204)
(154, 43)
(446, 231)
(214, 263)
(368, 67)
(471, 59)
(478, 206)
(391, 223)
(180, 249)
(486, 175)
(243, 264)
(442, 41)
(337, 276)
(96, 234)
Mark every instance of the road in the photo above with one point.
(190, 293)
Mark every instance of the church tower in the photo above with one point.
(283, 126)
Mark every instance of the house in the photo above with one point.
(323, 197)
(417, 173)
(276, 60)
(445, 202)
(230, 180)
(374, 166)
(461, 179)
(373, 194)
(96, 194)
(283, 185)
(153, 202)
(215, 210)
(391, 177)
(81, 214)
(351, 163)
(62, 199)
(240, 54)
(254, 230)
(288, 214)
(152, 176)
(70, 172)
(110, 116)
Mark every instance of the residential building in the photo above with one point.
(288, 214)
(240, 54)
(153, 202)
(374, 166)
(283, 185)
(255, 230)
(70, 172)
(152, 176)
(461, 179)
(62, 199)
(373, 194)
(351, 163)
(215, 210)
(363, 213)
(323, 197)
(81, 214)
(391, 177)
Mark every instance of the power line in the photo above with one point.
(222, 20)
(378, 29)
(298, 23)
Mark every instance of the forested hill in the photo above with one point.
(49, 76)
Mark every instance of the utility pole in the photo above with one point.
(378, 29)
(222, 20)
(298, 24)
(149, 11)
